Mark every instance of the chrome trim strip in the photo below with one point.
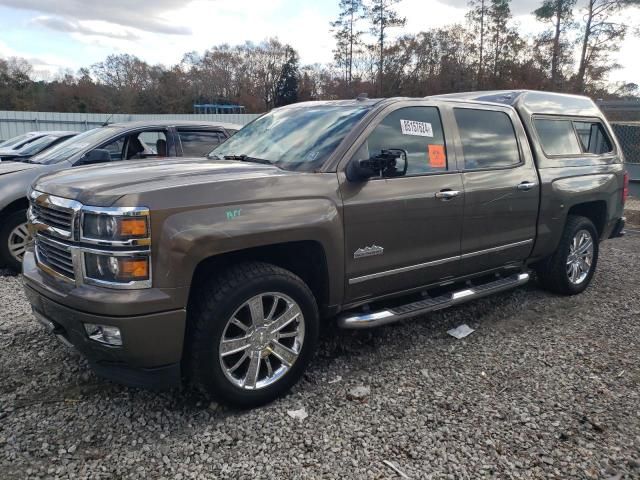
(119, 211)
(462, 294)
(45, 200)
(364, 278)
(372, 276)
(497, 249)
(50, 270)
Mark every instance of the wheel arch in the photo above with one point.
(596, 211)
(15, 206)
(307, 259)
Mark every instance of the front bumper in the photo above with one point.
(152, 343)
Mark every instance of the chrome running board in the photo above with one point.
(352, 320)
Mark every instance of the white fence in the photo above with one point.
(16, 123)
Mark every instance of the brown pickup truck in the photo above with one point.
(364, 211)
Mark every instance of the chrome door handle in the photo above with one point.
(447, 194)
(524, 186)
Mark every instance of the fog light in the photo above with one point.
(104, 334)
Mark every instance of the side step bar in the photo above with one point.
(352, 320)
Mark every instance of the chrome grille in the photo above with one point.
(58, 217)
(55, 255)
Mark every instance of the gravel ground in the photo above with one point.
(547, 387)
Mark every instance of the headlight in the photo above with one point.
(115, 228)
(118, 270)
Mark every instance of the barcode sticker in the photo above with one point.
(412, 127)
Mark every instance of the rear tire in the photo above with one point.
(571, 267)
(14, 237)
(253, 330)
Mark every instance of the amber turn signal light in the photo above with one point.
(133, 227)
(134, 268)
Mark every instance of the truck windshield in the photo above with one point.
(68, 148)
(294, 138)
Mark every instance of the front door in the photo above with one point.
(403, 232)
(501, 189)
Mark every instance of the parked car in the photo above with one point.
(370, 211)
(19, 140)
(36, 145)
(113, 143)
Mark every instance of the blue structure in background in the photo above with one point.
(217, 108)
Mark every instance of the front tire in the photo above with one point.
(14, 237)
(252, 332)
(570, 269)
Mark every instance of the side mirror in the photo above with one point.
(389, 163)
(99, 155)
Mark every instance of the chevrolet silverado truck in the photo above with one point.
(363, 212)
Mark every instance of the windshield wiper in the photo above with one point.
(246, 158)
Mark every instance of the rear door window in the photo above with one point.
(198, 143)
(593, 137)
(488, 139)
(416, 130)
(557, 137)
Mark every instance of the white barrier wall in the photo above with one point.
(16, 123)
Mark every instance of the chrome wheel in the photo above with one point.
(18, 240)
(580, 257)
(262, 341)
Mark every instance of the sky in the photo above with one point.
(69, 34)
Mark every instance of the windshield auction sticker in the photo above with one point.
(420, 129)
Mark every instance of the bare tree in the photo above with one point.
(122, 71)
(601, 36)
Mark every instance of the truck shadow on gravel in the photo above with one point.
(359, 350)
(500, 311)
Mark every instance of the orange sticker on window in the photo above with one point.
(437, 156)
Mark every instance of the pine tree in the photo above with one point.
(477, 17)
(382, 17)
(560, 14)
(287, 88)
(347, 35)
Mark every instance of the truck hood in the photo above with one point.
(102, 185)
(11, 167)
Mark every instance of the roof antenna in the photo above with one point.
(362, 97)
(106, 122)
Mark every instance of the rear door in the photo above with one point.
(403, 232)
(501, 188)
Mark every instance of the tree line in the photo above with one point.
(372, 55)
